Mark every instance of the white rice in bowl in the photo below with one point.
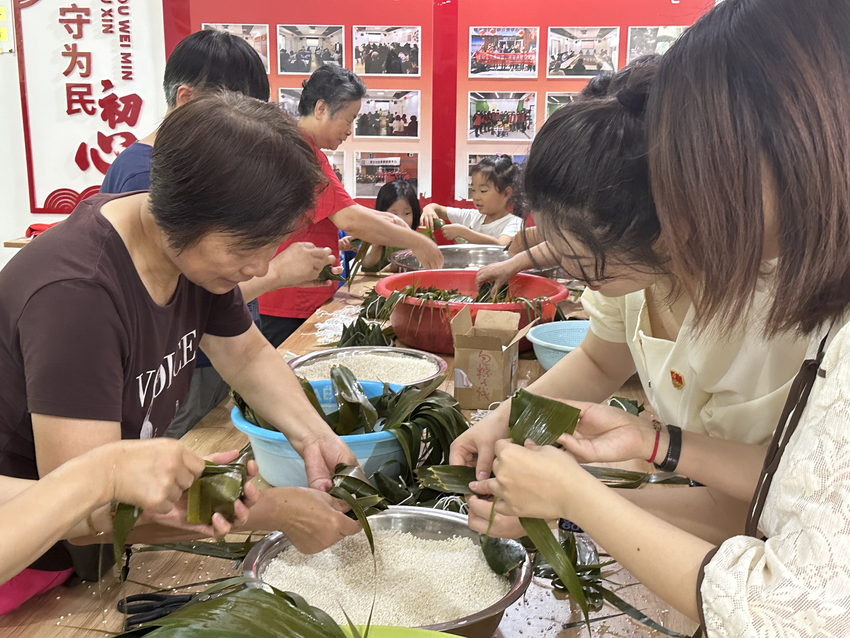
(386, 368)
(420, 582)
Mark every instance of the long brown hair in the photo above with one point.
(757, 88)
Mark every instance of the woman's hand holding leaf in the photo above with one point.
(151, 474)
(605, 434)
(474, 447)
(503, 526)
(321, 455)
(533, 481)
(220, 527)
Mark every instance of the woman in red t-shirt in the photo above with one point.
(329, 105)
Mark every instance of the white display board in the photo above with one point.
(91, 74)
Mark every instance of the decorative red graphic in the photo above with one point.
(74, 25)
(120, 110)
(105, 144)
(78, 99)
(65, 200)
(79, 59)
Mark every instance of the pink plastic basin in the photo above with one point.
(426, 325)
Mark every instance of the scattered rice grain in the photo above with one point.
(420, 582)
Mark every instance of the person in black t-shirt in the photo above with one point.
(101, 318)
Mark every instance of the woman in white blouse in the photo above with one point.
(602, 225)
(748, 130)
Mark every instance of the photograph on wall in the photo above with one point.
(500, 116)
(472, 162)
(337, 161)
(580, 52)
(257, 35)
(373, 170)
(554, 101)
(389, 114)
(503, 52)
(387, 50)
(288, 100)
(648, 40)
(302, 48)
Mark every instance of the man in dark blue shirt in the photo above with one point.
(207, 60)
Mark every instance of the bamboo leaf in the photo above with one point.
(311, 396)
(355, 633)
(450, 479)
(546, 544)
(327, 274)
(503, 556)
(338, 492)
(543, 420)
(628, 479)
(391, 489)
(406, 401)
(242, 607)
(352, 401)
(219, 549)
(217, 489)
(520, 400)
(629, 405)
(409, 437)
(357, 262)
(122, 524)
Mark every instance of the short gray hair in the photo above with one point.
(334, 85)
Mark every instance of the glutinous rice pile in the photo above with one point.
(420, 582)
(386, 368)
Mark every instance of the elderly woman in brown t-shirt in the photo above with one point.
(101, 318)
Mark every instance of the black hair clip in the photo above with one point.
(632, 100)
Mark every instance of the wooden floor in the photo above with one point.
(88, 609)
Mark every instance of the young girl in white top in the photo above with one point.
(493, 187)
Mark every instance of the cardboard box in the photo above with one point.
(486, 354)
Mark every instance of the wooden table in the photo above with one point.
(88, 608)
(18, 242)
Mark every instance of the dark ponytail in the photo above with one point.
(587, 174)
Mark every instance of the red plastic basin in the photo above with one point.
(426, 325)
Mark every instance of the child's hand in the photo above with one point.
(429, 214)
(345, 243)
(531, 481)
(499, 273)
(453, 231)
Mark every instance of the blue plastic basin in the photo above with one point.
(552, 341)
(281, 465)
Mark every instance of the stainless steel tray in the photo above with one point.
(464, 256)
(423, 523)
